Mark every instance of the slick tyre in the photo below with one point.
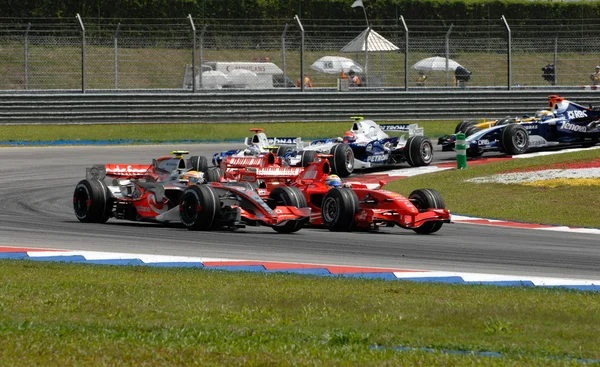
(514, 139)
(471, 130)
(342, 160)
(283, 149)
(424, 199)
(199, 163)
(213, 174)
(200, 208)
(418, 151)
(462, 126)
(307, 157)
(92, 202)
(340, 206)
(288, 196)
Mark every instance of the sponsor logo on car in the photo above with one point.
(483, 142)
(576, 114)
(573, 127)
(275, 141)
(530, 126)
(377, 158)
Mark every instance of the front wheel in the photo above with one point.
(200, 208)
(424, 199)
(514, 139)
(340, 206)
(418, 151)
(288, 196)
(199, 163)
(342, 162)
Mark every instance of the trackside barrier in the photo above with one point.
(461, 151)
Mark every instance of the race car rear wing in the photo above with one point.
(411, 129)
(252, 174)
(274, 141)
(100, 171)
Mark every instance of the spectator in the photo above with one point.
(421, 79)
(596, 76)
(354, 79)
(307, 82)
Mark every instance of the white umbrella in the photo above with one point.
(335, 65)
(435, 64)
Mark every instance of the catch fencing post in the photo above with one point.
(116, 47)
(405, 53)
(82, 53)
(509, 48)
(201, 61)
(283, 55)
(25, 50)
(448, 53)
(461, 151)
(193, 53)
(301, 53)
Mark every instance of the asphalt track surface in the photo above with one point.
(36, 186)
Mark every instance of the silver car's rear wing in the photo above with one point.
(411, 129)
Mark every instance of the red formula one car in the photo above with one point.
(344, 208)
(171, 191)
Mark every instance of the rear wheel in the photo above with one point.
(91, 201)
(283, 149)
(213, 174)
(199, 163)
(462, 126)
(424, 199)
(342, 162)
(200, 208)
(514, 139)
(418, 151)
(288, 196)
(307, 157)
(340, 206)
(472, 130)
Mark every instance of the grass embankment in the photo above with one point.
(563, 205)
(70, 314)
(156, 133)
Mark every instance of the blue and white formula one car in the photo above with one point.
(569, 124)
(259, 143)
(367, 145)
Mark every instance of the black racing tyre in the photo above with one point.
(472, 130)
(342, 162)
(200, 208)
(199, 163)
(282, 149)
(307, 157)
(338, 209)
(288, 196)
(418, 151)
(514, 139)
(92, 202)
(213, 174)
(424, 199)
(462, 126)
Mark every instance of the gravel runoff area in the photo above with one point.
(541, 175)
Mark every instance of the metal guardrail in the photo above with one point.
(229, 107)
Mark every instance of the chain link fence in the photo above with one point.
(185, 55)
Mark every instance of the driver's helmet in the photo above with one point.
(192, 177)
(349, 137)
(333, 181)
(544, 114)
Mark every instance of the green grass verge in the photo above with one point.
(563, 205)
(195, 132)
(73, 314)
